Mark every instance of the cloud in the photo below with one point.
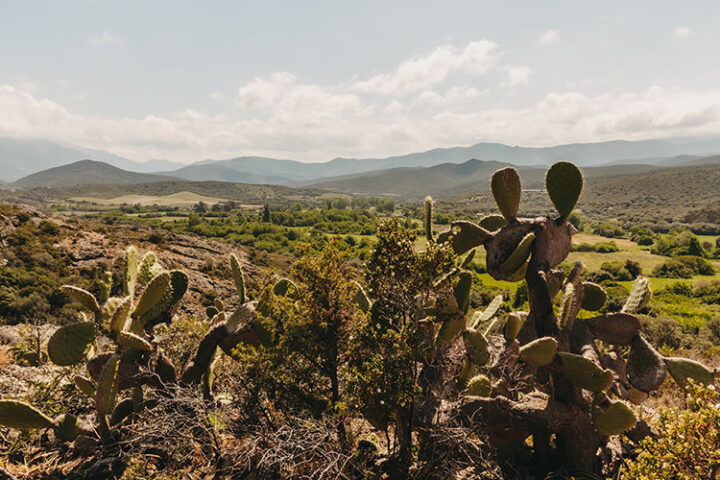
(422, 72)
(518, 76)
(313, 123)
(264, 92)
(682, 32)
(549, 37)
(105, 38)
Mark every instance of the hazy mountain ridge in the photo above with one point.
(84, 172)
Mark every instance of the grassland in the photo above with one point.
(179, 199)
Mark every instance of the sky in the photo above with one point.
(312, 80)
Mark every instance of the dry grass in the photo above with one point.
(6, 357)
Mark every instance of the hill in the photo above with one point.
(83, 172)
(22, 157)
(448, 179)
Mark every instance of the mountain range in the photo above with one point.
(32, 163)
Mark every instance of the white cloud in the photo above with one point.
(264, 92)
(518, 75)
(421, 73)
(682, 32)
(105, 38)
(311, 122)
(550, 36)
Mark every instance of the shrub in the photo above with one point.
(688, 443)
(683, 267)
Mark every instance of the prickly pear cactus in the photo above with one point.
(70, 344)
(542, 374)
(21, 416)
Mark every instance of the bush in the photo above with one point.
(683, 267)
(617, 269)
(662, 331)
(688, 443)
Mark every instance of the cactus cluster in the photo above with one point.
(129, 324)
(551, 352)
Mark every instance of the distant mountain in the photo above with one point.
(449, 179)
(290, 172)
(84, 172)
(21, 157)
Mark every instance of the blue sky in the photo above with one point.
(311, 80)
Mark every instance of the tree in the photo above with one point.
(266, 214)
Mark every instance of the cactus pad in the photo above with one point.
(70, 343)
(157, 294)
(66, 427)
(238, 278)
(513, 324)
(106, 393)
(211, 312)
(130, 340)
(144, 273)
(479, 386)
(594, 296)
(179, 283)
(462, 291)
(219, 305)
(21, 416)
(566, 306)
(682, 369)
(242, 317)
(428, 218)
(506, 188)
(84, 385)
(645, 367)
(81, 296)
(476, 347)
(614, 328)
(492, 223)
(517, 259)
(131, 270)
(585, 373)
(450, 327)
(465, 236)
(639, 296)
(563, 183)
(539, 352)
(480, 318)
(613, 419)
(121, 314)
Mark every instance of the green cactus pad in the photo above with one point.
(566, 306)
(645, 366)
(428, 218)
(480, 318)
(121, 315)
(594, 296)
(361, 298)
(476, 347)
(144, 274)
(105, 286)
(584, 373)
(131, 271)
(107, 389)
(449, 329)
(682, 369)
(155, 298)
(179, 283)
(283, 287)
(639, 296)
(462, 291)
(70, 343)
(81, 296)
(479, 386)
(564, 182)
(21, 416)
(539, 352)
(238, 277)
(492, 223)
(513, 324)
(84, 385)
(66, 427)
(519, 256)
(614, 328)
(506, 188)
(466, 235)
(130, 340)
(613, 419)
